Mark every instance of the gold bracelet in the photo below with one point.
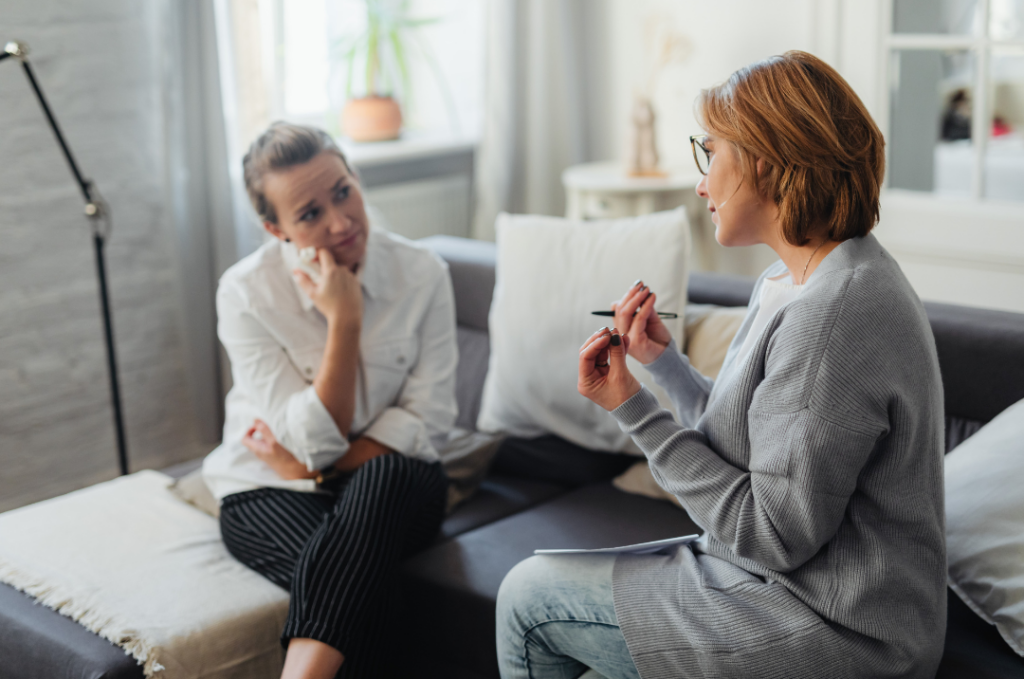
(327, 475)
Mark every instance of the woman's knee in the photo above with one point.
(392, 467)
(390, 481)
(518, 594)
(544, 586)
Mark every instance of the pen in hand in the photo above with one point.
(661, 314)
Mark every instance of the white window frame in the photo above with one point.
(980, 44)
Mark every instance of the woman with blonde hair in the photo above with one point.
(344, 372)
(813, 462)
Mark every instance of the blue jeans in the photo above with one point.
(556, 617)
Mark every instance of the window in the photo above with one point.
(956, 97)
(291, 63)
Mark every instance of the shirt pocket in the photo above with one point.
(306, 361)
(387, 363)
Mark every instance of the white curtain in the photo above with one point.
(543, 104)
(205, 197)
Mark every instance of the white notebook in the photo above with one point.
(642, 548)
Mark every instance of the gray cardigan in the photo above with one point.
(815, 467)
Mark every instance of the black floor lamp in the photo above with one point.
(99, 219)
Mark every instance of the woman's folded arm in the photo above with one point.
(262, 370)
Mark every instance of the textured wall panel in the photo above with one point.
(99, 67)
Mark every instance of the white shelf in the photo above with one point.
(408, 147)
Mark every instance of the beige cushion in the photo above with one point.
(193, 489)
(638, 480)
(709, 331)
(466, 456)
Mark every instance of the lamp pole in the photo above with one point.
(99, 220)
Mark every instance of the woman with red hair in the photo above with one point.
(814, 462)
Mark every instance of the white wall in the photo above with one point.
(98, 65)
(962, 252)
(724, 36)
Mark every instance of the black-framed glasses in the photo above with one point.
(703, 159)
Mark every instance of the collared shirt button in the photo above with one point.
(401, 360)
(309, 371)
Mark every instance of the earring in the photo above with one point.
(287, 240)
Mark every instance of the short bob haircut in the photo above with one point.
(281, 146)
(824, 157)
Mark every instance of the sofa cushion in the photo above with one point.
(471, 265)
(474, 353)
(980, 355)
(709, 332)
(985, 523)
(496, 498)
(974, 649)
(551, 273)
(36, 642)
(554, 460)
(720, 288)
(451, 588)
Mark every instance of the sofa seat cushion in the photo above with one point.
(554, 460)
(452, 587)
(36, 642)
(496, 498)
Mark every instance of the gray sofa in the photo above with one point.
(547, 492)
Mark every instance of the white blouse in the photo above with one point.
(275, 339)
(775, 293)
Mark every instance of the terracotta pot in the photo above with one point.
(371, 119)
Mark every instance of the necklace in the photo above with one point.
(803, 277)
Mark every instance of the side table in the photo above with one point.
(604, 191)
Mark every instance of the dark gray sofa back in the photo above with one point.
(981, 352)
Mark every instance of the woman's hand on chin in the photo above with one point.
(337, 295)
(636, 318)
(604, 377)
(261, 441)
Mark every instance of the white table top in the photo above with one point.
(612, 177)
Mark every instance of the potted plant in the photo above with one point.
(382, 49)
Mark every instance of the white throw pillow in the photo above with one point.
(550, 274)
(985, 523)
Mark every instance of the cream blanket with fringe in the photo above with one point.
(139, 567)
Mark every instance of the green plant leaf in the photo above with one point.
(399, 52)
(385, 46)
(413, 24)
(351, 58)
(372, 56)
(446, 91)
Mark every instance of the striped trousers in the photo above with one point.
(337, 553)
